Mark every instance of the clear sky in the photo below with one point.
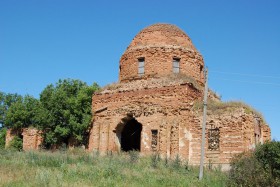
(43, 41)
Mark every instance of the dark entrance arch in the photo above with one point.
(131, 135)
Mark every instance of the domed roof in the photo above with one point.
(161, 35)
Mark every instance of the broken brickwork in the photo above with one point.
(31, 138)
(11, 133)
(234, 133)
(159, 44)
(164, 109)
(151, 109)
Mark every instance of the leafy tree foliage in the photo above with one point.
(25, 112)
(6, 100)
(2, 137)
(68, 105)
(16, 143)
(259, 168)
(63, 112)
(269, 157)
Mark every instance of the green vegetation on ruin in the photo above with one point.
(78, 168)
(219, 108)
(155, 82)
(63, 111)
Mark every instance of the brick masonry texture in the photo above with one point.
(156, 112)
(170, 110)
(31, 138)
(163, 103)
(159, 44)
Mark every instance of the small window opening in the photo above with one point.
(213, 139)
(176, 65)
(154, 140)
(141, 65)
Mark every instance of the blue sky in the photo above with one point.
(43, 41)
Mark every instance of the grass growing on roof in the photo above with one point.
(155, 82)
(218, 107)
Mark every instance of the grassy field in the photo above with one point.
(78, 168)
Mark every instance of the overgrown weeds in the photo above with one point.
(176, 163)
(154, 82)
(258, 168)
(3, 132)
(134, 156)
(79, 168)
(16, 143)
(155, 160)
(218, 108)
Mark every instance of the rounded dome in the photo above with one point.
(161, 35)
(158, 51)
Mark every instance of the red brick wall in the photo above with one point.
(237, 134)
(165, 109)
(169, 109)
(32, 139)
(158, 62)
(159, 44)
(11, 133)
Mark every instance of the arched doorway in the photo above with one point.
(129, 134)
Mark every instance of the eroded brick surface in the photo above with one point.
(164, 109)
(169, 110)
(32, 139)
(163, 102)
(11, 133)
(159, 44)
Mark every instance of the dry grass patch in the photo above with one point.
(219, 108)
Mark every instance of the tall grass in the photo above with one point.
(78, 168)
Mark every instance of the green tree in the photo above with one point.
(26, 112)
(2, 137)
(6, 100)
(268, 155)
(69, 111)
(16, 143)
(258, 168)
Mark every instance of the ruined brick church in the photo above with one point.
(153, 106)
